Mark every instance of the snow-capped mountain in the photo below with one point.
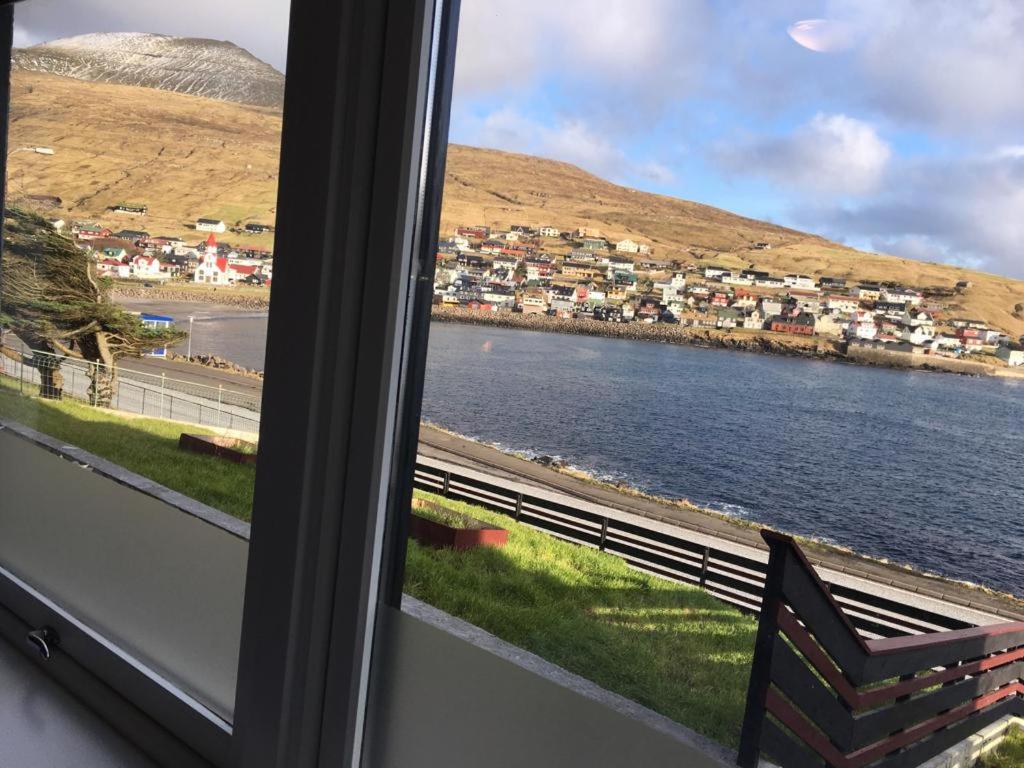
(210, 68)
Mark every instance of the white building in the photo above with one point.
(627, 246)
(211, 225)
(1012, 357)
(146, 267)
(549, 232)
(800, 281)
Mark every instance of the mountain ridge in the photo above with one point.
(214, 69)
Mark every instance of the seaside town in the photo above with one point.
(580, 274)
(621, 282)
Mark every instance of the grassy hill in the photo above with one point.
(186, 156)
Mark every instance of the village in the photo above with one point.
(580, 274)
(131, 254)
(620, 282)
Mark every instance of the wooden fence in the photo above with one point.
(674, 552)
(822, 695)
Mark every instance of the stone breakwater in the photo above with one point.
(224, 297)
(748, 341)
(213, 361)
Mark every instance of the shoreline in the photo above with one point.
(445, 444)
(784, 345)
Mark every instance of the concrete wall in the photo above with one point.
(158, 575)
(448, 694)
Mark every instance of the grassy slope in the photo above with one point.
(186, 156)
(1009, 754)
(670, 647)
(146, 446)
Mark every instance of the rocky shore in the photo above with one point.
(747, 341)
(219, 363)
(814, 347)
(224, 297)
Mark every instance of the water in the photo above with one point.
(236, 334)
(918, 468)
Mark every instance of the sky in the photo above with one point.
(890, 126)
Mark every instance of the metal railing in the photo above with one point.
(135, 392)
(820, 694)
(733, 573)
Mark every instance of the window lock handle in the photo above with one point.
(43, 640)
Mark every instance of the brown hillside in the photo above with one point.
(186, 157)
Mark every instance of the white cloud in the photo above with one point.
(614, 56)
(830, 154)
(955, 66)
(571, 141)
(966, 211)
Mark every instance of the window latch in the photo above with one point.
(43, 640)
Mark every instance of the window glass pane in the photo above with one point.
(136, 281)
(694, 261)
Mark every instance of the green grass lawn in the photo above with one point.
(146, 446)
(1009, 754)
(669, 647)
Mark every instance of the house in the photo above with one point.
(898, 295)
(917, 319)
(831, 282)
(211, 225)
(735, 278)
(256, 228)
(1013, 355)
(867, 292)
(715, 272)
(627, 246)
(57, 224)
(771, 307)
(146, 267)
(130, 208)
(862, 328)
(728, 317)
(477, 233)
(549, 232)
(769, 282)
(918, 335)
(762, 246)
(117, 254)
(805, 282)
(505, 261)
(535, 304)
(620, 264)
(754, 320)
(131, 235)
(588, 232)
(889, 308)
(113, 268)
(841, 303)
(831, 324)
(595, 244)
(86, 231)
(802, 324)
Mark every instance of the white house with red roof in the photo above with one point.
(113, 268)
(147, 267)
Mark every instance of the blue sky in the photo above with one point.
(896, 125)
(903, 132)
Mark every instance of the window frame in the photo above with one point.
(362, 158)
